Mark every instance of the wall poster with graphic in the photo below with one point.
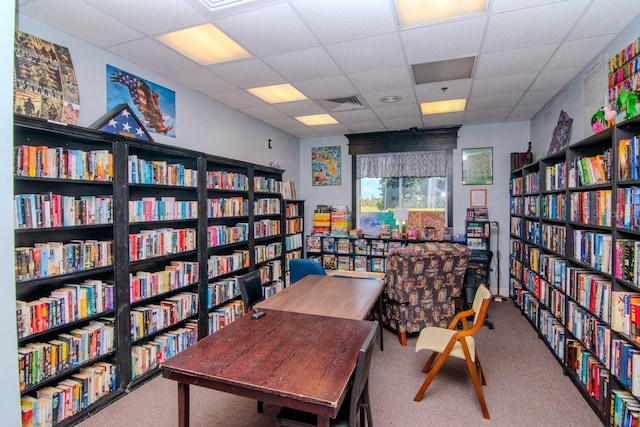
(325, 165)
(153, 104)
(477, 166)
(45, 83)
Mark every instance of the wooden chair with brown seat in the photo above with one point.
(451, 341)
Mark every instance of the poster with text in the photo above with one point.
(44, 83)
(153, 104)
(325, 165)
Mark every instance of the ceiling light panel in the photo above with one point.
(317, 120)
(205, 44)
(441, 107)
(418, 12)
(277, 94)
(443, 71)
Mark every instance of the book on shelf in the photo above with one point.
(343, 245)
(329, 261)
(314, 243)
(329, 244)
(289, 190)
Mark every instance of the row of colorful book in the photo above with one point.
(64, 305)
(146, 284)
(159, 172)
(159, 242)
(227, 206)
(217, 265)
(218, 235)
(225, 180)
(167, 208)
(46, 210)
(62, 163)
(146, 320)
(48, 259)
(267, 252)
(267, 206)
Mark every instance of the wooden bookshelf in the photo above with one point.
(573, 271)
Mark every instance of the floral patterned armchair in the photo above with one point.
(421, 281)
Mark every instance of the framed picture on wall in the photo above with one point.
(478, 198)
(477, 166)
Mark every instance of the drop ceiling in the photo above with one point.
(525, 52)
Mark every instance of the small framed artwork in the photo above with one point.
(477, 166)
(478, 198)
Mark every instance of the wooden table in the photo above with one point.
(350, 298)
(297, 360)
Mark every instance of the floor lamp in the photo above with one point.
(496, 224)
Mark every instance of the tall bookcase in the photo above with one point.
(574, 245)
(294, 231)
(126, 254)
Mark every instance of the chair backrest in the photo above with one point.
(361, 377)
(250, 289)
(482, 294)
(300, 267)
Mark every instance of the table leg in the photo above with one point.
(323, 421)
(183, 405)
(380, 325)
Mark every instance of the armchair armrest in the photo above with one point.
(461, 316)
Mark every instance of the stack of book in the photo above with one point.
(340, 220)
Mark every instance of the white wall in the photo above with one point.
(9, 396)
(201, 123)
(503, 137)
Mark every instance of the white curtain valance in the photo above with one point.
(422, 164)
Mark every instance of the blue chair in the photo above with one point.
(300, 268)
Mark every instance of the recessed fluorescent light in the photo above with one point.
(204, 44)
(276, 94)
(441, 107)
(416, 12)
(317, 120)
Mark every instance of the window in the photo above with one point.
(425, 198)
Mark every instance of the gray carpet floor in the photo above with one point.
(525, 387)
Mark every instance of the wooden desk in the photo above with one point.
(297, 360)
(346, 297)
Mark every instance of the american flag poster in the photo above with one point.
(44, 83)
(153, 104)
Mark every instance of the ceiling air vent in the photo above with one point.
(343, 104)
(219, 4)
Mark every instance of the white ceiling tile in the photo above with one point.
(337, 129)
(503, 84)
(338, 20)
(299, 108)
(396, 112)
(304, 64)
(354, 116)
(449, 119)
(443, 41)
(536, 25)
(495, 115)
(238, 99)
(302, 132)
(515, 61)
(407, 94)
(269, 30)
(284, 123)
(505, 5)
(537, 97)
(455, 89)
(78, 19)
(264, 112)
(202, 81)
(382, 79)
(152, 17)
(558, 78)
(368, 53)
(403, 123)
(524, 112)
(327, 87)
(247, 73)
(578, 52)
(371, 126)
(493, 101)
(606, 17)
(154, 56)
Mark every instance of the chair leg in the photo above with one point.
(476, 385)
(427, 366)
(260, 407)
(480, 371)
(430, 377)
(402, 336)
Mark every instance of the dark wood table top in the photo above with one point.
(346, 297)
(297, 360)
